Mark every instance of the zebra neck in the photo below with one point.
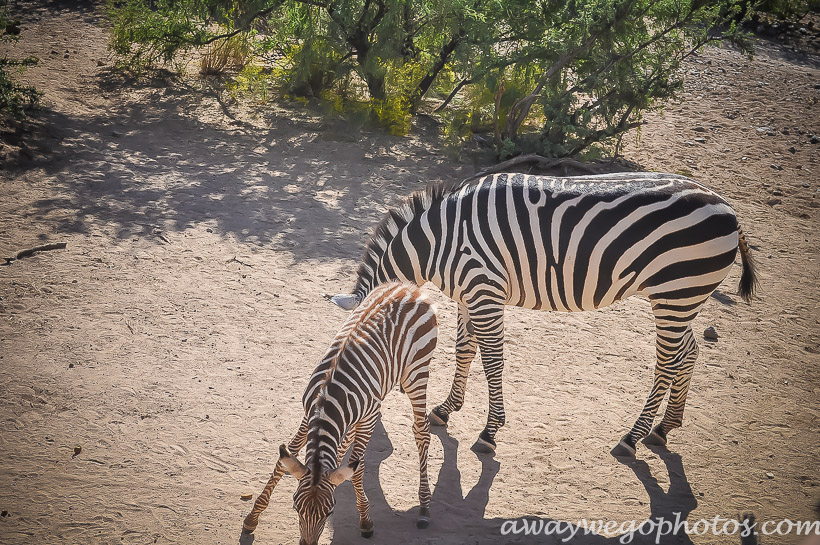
(324, 438)
(391, 257)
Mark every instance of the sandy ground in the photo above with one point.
(173, 337)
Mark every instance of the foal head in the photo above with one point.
(314, 499)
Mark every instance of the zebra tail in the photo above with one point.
(748, 280)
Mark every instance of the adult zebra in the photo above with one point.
(389, 340)
(565, 244)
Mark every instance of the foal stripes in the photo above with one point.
(387, 341)
(566, 244)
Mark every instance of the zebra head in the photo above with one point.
(347, 301)
(313, 500)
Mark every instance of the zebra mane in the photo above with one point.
(394, 220)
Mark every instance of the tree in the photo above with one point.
(548, 76)
(15, 99)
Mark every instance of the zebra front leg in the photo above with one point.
(346, 441)
(364, 430)
(489, 331)
(261, 503)
(417, 392)
(465, 353)
(673, 417)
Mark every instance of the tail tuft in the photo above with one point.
(748, 280)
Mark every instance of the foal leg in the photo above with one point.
(417, 392)
(488, 321)
(673, 417)
(465, 353)
(261, 503)
(363, 430)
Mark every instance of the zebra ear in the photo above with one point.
(347, 301)
(341, 474)
(292, 465)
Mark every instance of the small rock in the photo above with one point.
(699, 129)
(689, 143)
(78, 449)
(792, 150)
(804, 30)
(71, 366)
(784, 130)
(710, 333)
(245, 496)
(4, 513)
(116, 134)
(805, 184)
(773, 201)
(700, 140)
(100, 63)
(814, 139)
(770, 475)
(53, 52)
(65, 56)
(764, 129)
(777, 193)
(776, 167)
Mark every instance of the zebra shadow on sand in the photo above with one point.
(459, 518)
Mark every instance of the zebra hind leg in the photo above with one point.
(417, 392)
(674, 344)
(465, 353)
(673, 417)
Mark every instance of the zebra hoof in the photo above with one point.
(656, 438)
(624, 448)
(246, 531)
(438, 419)
(367, 531)
(484, 444)
(422, 523)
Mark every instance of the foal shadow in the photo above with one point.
(457, 518)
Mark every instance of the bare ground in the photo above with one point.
(179, 369)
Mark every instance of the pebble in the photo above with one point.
(4, 513)
(814, 139)
(699, 129)
(700, 140)
(776, 167)
(78, 449)
(245, 496)
(773, 201)
(770, 475)
(792, 150)
(116, 134)
(710, 333)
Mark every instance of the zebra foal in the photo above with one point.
(564, 244)
(388, 340)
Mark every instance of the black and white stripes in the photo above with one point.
(565, 244)
(387, 341)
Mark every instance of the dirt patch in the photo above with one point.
(179, 369)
